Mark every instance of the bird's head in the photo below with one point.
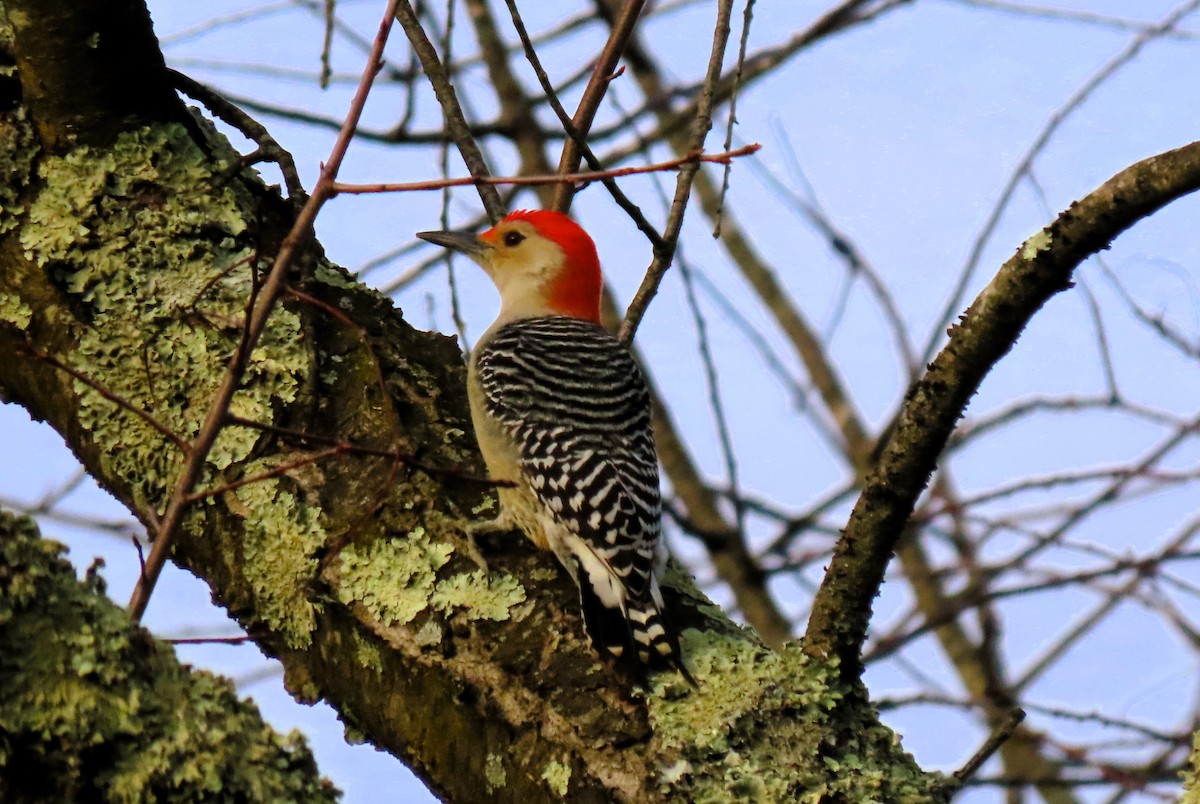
(542, 263)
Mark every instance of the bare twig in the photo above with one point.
(747, 16)
(631, 209)
(534, 181)
(111, 396)
(231, 640)
(268, 147)
(716, 405)
(701, 124)
(456, 121)
(997, 738)
(1025, 163)
(460, 325)
(1072, 15)
(278, 471)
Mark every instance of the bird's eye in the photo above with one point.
(513, 238)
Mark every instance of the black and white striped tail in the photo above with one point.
(637, 637)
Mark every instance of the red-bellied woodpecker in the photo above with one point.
(561, 410)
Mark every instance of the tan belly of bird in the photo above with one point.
(522, 509)
(518, 505)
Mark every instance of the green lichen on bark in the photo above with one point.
(479, 595)
(16, 160)
(282, 536)
(398, 578)
(494, 773)
(14, 310)
(758, 729)
(149, 239)
(1191, 774)
(94, 709)
(557, 777)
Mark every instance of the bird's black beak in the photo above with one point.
(462, 242)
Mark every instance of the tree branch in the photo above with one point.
(1041, 268)
(89, 71)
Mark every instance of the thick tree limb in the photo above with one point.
(89, 70)
(99, 710)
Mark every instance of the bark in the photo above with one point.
(104, 712)
(1191, 775)
(129, 246)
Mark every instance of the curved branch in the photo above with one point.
(1041, 268)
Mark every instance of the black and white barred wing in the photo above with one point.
(578, 409)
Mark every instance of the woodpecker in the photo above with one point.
(562, 411)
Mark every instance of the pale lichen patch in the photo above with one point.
(393, 578)
(487, 504)
(1036, 244)
(93, 709)
(493, 772)
(711, 737)
(281, 537)
(367, 653)
(329, 275)
(14, 310)
(16, 158)
(398, 578)
(557, 777)
(1191, 774)
(429, 634)
(479, 595)
(737, 679)
(164, 275)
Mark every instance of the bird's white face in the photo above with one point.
(518, 255)
(541, 262)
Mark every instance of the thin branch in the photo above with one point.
(1025, 163)
(1071, 15)
(1155, 322)
(278, 471)
(109, 395)
(997, 738)
(456, 121)
(716, 405)
(623, 201)
(460, 325)
(232, 640)
(681, 163)
(268, 147)
(215, 23)
(1013, 412)
(327, 45)
(701, 124)
(396, 455)
(731, 121)
(840, 243)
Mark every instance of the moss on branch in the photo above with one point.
(92, 708)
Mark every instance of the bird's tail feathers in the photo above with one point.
(633, 631)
